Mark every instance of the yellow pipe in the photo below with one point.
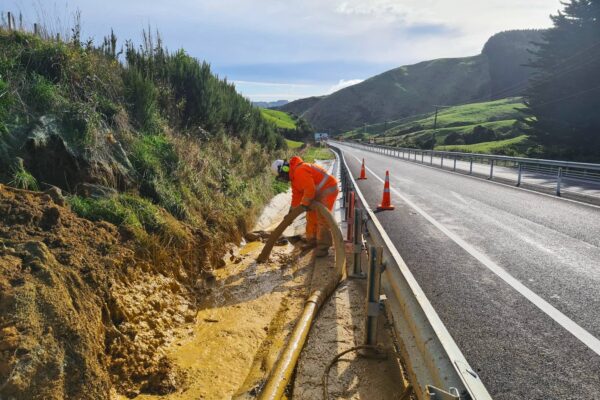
(282, 371)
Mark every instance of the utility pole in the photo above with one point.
(435, 125)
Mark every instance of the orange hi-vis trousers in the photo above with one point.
(316, 225)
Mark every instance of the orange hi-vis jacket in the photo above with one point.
(309, 181)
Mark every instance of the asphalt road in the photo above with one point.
(513, 274)
(571, 186)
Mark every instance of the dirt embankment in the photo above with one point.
(79, 311)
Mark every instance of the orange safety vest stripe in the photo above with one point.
(308, 181)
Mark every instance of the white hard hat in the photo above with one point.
(276, 166)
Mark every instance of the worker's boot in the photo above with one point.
(322, 251)
(323, 243)
(309, 243)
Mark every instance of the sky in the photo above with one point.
(290, 49)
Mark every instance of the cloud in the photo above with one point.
(313, 42)
(343, 83)
(271, 84)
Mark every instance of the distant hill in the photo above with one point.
(414, 89)
(298, 107)
(270, 104)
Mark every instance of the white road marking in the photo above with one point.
(507, 185)
(584, 336)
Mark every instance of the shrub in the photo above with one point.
(22, 179)
(153, 154)
(142, 99)
(481, 134)
(79, 121)
(279, 186)
(454, 138)
(42, 94)
(5, 103)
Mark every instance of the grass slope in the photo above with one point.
(279, 118)
(313, 153)
(500, 116)
(292, 144)
(513, 146)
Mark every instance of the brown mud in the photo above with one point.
(245, 320)
(80, 312)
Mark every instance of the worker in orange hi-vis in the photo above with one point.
(310, 182)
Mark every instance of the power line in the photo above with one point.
(568, 96)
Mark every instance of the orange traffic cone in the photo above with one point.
(363, 174)
(386, 203)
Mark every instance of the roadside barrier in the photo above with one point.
(436, 367)
(552, 175)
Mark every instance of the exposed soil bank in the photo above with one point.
(79, 312)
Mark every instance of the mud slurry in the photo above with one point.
(242, 324)
(245, 319)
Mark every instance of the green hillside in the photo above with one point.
(460, 125)
(293, 145)
(516, 146)
(414, 89)
(299, 107)
(279, 118)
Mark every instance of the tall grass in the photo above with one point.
(197, 151)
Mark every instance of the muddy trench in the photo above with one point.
(245, 317)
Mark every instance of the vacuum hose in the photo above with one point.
(282, 371)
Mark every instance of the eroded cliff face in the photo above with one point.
(79, 310)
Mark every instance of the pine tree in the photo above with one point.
(564, 95)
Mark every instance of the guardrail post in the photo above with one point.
(520, 174)
(442, 162)
(357, 245)
(559, 180)
(454, 164)
(471, 166)
(422, 157)
(344, 194)
(351, 216)
(431, 158)
(491, 169)
(373, 290)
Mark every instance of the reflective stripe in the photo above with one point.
(327, 192)
(326, 177)
(386, 190)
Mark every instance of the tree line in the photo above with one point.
(563, 98)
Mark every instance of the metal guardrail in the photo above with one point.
(555, 171)
(432, 358)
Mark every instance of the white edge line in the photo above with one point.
(571, 326)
